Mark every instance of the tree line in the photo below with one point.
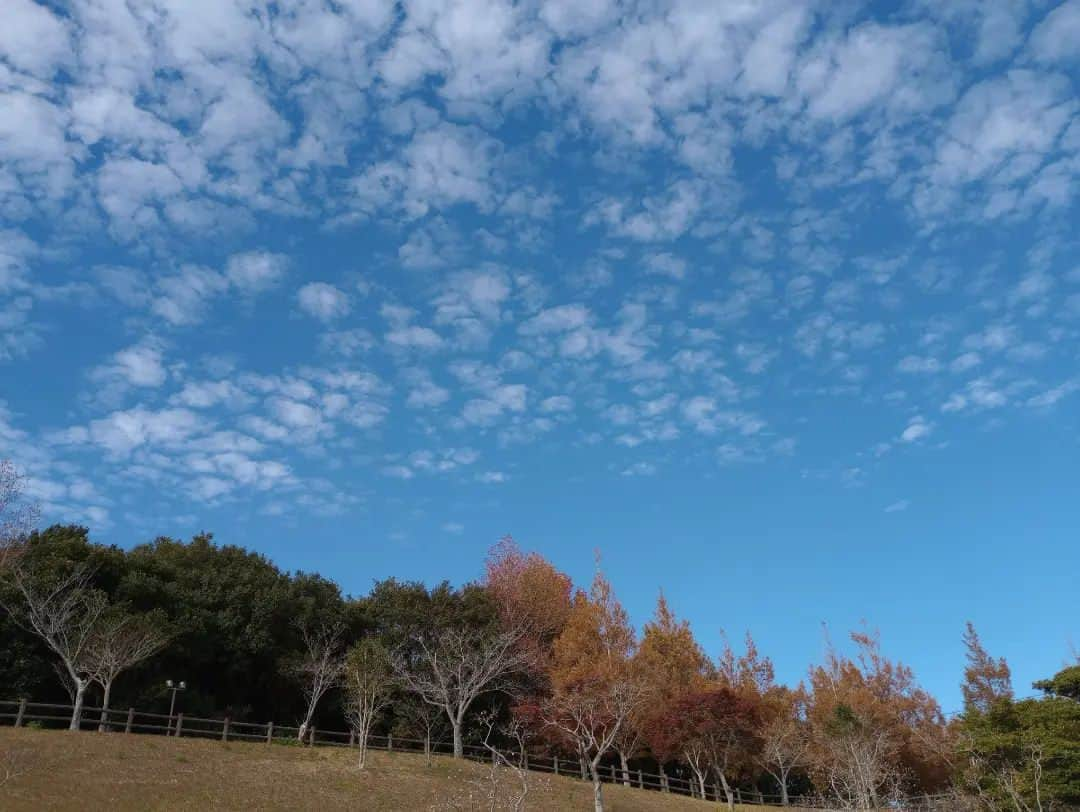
(521, 657)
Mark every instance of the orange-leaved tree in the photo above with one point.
(987, 680)
(531, 595)
(875, 732)
(594, 689)
(670, 664)
(750, 673)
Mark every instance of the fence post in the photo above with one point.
(269, 732)
(352, 738)
(225, 730)
(130, 720)
(556, 765)
(311, 736)
(21, 713)
(640, 779)
(389, 742)
(179, 724)
(663, 780)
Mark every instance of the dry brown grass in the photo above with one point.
(62, 770)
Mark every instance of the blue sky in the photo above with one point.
(776, 304)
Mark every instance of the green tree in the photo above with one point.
(1019, 754)
(1065, 683)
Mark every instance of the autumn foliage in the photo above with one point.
(859, 731)
(531, 596)
(525, 657)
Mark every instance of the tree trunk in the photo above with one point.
(103, 723)
(302, 731)
(427, 747)
(727, 789)
(784, 800)
(459, 747)
(700, 784)
(362, 735)
(597, 788)
(76, 711)
(625, 765)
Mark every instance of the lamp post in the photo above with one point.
(175, 688)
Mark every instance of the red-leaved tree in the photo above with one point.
(712, 731)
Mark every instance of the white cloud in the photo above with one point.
(1054, 38)
(555, 320)
(122, 432)
(917, 429)
(1053, 395)
(556, 403)
(414, 337)
(658, 218)
(914, 364)
(898, 506)
(899, 67)
(207, 394)
(255, 271)
(1000, 134)
(138, 365)
(33, 39)
(664, 264)
(183, 298)
(323, 301)
(979, 394)
(424, 393)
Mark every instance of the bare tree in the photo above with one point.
(785, 744)
(14, 761)
(590, 716)
(64, 613)
(858, 760)
(17, 516)
(1016, 785)
(417, 717)
(627, 744)
(119, 642)
(453, 667)
(369, 680)
(319, 668)
(516, 762)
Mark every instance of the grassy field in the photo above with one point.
(42, 769)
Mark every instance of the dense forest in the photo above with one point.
(540, 655)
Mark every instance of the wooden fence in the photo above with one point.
(22, 712)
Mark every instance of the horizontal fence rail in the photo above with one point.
(20, 713)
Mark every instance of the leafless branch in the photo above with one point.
(17, 515)
(590, 716)
(119, 642)
(14, 761)
(517, 763)
(320, 667)
(368, 682)
(452, 668)
(64, 612)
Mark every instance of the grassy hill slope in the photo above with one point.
(61, 770)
